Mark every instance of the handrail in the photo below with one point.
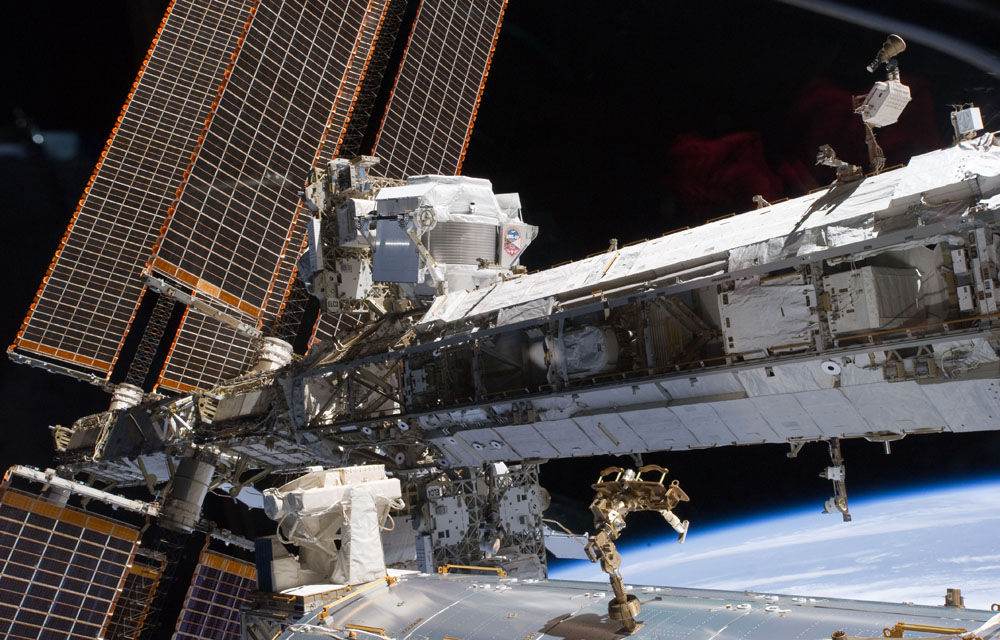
(897, 630)
(325, 610)
(444, 569)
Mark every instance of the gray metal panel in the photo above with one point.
(705, 424)
(475, 607)
(610, 434)
(621, 396)
(746, 423)
(967, 405)
(703, 386)
(660, 429)
(567, 438)
(396, 258)
(899, 406)
(494, 445)
(833, 413)
(458, 452)
(787, 417)
(526, 441)
(784, 378)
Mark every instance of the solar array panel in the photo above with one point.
(347, 96)
(330, 324)
(61, 569)
(433, 104)
(141, 581)
(219, 588)
(93, 287)
(204, 352)
(228, 231)
(199, 180)
(343, 109)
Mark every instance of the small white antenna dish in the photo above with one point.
(830, 367)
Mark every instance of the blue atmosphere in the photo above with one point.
(907, 546)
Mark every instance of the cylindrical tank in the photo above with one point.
(58, 496)
(125, 396)
(274, 354)
(182, 506)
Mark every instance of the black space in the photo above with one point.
(621, 120)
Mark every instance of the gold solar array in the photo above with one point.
(141, 582)
(61, 569)
(219, 588)
(92, 290)
(432, 109)
(199, 181)
(234, 230)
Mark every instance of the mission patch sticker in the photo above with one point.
(512, 241)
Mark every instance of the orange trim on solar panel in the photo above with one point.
(395, 81)
(336, 98)
(201, 137)
(482, 87)
(198, 284)
(361, 79)
(249, 309)
(319, 153)
(312, 334)
(629, 244)
(62, 354)
(83, 519)
(170, 351)
(288, 289)
(175, 385)
(227, 565)
(121, 586)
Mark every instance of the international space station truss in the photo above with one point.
(231, 190)
(181, 254)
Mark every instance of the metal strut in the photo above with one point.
(150, 341)
(837, 475)
(288, 324)
(615, 499)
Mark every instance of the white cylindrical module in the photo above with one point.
(182, 506)
(274, 354)
(125, 396)
(57, 495)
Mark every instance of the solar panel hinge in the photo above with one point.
(194, 303)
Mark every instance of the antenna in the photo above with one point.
(886, 100)
(892, 47)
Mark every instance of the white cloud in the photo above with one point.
(972, 559)
(895, 550)
(768, 582)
